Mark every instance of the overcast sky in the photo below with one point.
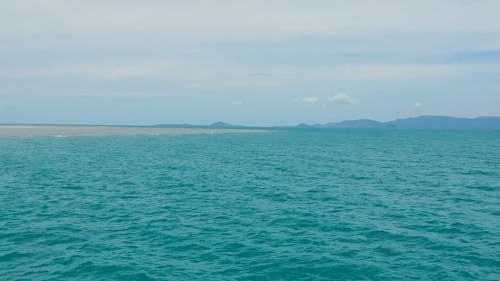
(269, 62)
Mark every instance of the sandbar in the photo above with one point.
(26, 131)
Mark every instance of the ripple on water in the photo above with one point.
(344, 205)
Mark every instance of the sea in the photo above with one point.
(282, 205)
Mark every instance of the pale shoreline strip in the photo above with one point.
(27, 131)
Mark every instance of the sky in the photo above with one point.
(249, 62)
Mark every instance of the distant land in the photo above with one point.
(414, 123)
(485, 123)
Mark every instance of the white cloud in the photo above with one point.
(88, 70)
(310, 100)
(253, 19)
(405, 71)
(219, 74)
(417, 104)
(386, 71)
(341, 99)
(237, 103)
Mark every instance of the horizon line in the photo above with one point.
(229, 124)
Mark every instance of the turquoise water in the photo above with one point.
(342, 205)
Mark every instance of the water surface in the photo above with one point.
(341, 205)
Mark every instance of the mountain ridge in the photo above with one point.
(424, 122)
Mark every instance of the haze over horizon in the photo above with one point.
(255, 62)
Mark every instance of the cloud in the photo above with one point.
(94, 71)
(255, 19)
(341, 99)
(237, 103)
(417, 104)
(310, 100)
(219, 70)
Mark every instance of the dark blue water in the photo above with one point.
(342, 205)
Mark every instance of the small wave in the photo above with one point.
(479, 172)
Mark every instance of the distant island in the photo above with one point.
(416, 123)
(491, 123)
